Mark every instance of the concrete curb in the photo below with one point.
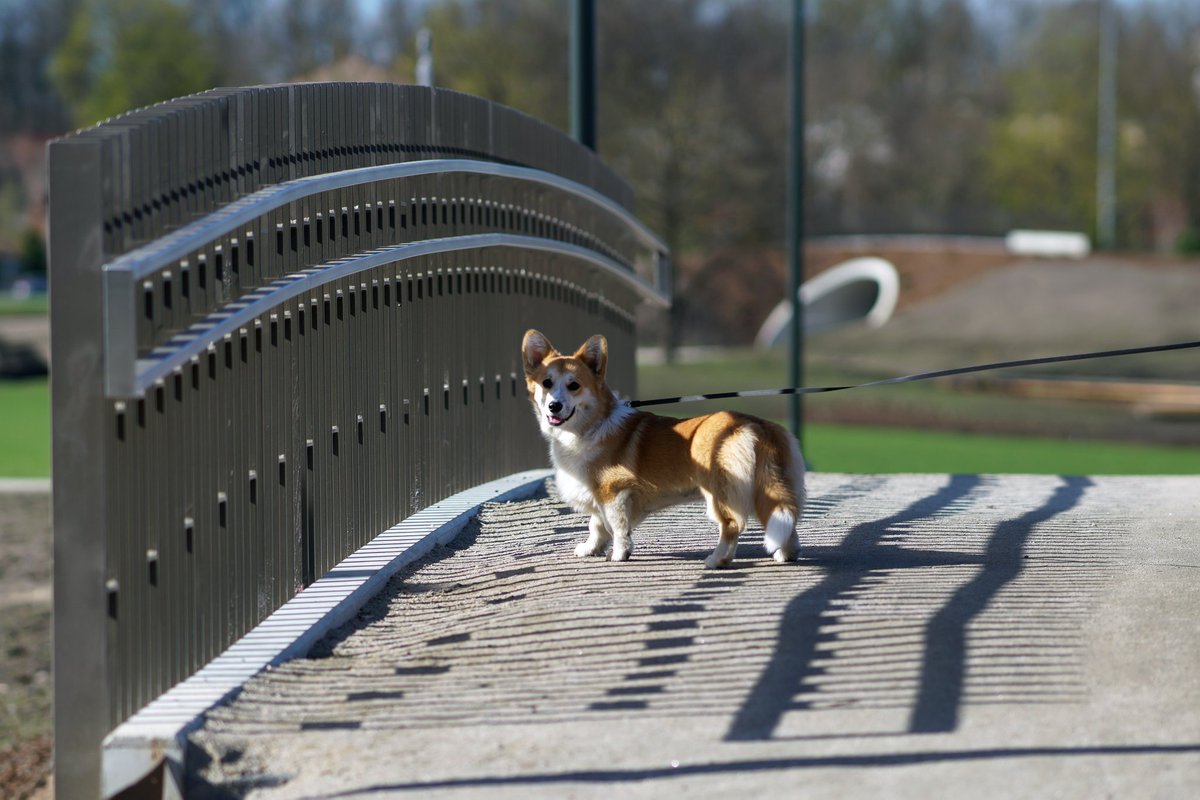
(24, 485)
(150, 746)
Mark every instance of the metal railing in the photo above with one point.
(283, 319)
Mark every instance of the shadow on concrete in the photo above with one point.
(849, 569)
(377, 608)
(943, 563)
(943, 669)
(866, 760)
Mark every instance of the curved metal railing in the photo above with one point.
(284, 319)
(159, 298)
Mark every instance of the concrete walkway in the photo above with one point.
(942, 636)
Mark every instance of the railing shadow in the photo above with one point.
(800, 628)
(943, 668)
(942, 673)
(917, 613)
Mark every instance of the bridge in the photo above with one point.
(304, 544)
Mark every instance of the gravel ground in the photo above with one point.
(25, 685)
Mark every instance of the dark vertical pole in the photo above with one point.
(1106, 126)
(583, 72)
(796, 217)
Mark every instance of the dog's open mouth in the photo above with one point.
(556, 421)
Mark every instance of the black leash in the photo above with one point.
(920, 376)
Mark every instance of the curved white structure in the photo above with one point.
(859, 290)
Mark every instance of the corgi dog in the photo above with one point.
(618, 464)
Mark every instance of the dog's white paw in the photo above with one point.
(715, 562)
(585, 549)
(619, 554)
(782, 556)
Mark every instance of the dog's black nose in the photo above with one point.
(555, 406)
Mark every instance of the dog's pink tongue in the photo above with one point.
(555, 420)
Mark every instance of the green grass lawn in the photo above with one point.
(37, 304)
(861, 448)
(25, 429)
(872, 448)
(25, 435)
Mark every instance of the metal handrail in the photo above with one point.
(145, 260)
(176, 354)
(127, 375)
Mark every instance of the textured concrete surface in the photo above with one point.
(941, 636)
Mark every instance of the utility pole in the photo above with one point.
(1106, 129)
(796, 217)
(583, 72)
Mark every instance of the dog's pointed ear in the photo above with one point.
(594, 353)
(535, 348)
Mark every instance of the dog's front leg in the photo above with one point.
(619, 517)
(597, 541)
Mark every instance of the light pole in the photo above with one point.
(583, 72)
(1106, 129)
(796, 217)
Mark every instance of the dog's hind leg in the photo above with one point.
(780, 494)
(778, 508)
(597, 541)
(780, 537)
(779, 511)
(722, 555)
(729, 526)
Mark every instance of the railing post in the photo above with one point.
(82, 602)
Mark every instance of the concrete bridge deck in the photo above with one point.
(982, 636)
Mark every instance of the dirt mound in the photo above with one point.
(726, 296)
(1037, 308)
(958, 296)
(928, 266)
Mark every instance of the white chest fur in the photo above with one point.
(569, 454)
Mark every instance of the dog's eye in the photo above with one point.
(549, 384)
(572, 386)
